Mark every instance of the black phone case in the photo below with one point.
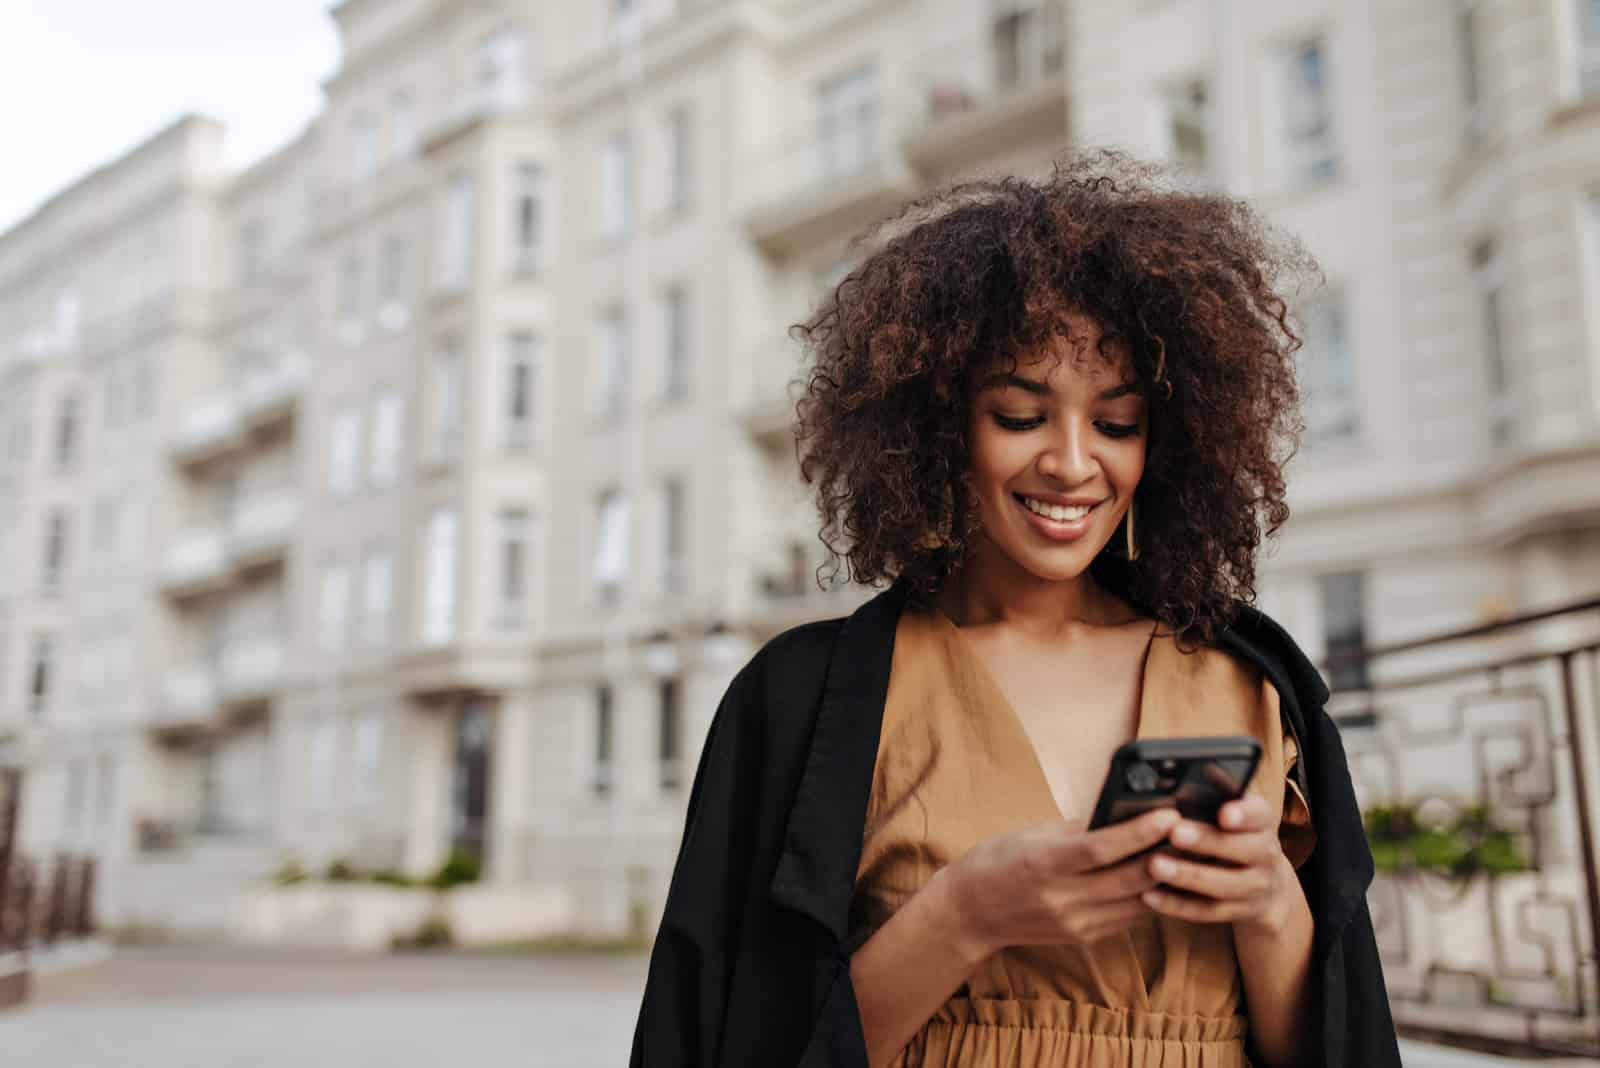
(1184, 754)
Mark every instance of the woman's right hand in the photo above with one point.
(1052, 884)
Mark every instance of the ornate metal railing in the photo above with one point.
(1476, 755)
(40, 904)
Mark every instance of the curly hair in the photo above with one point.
(985, 273)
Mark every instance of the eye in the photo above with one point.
(1118, 430)
(1009, 423)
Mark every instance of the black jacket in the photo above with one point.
(750, 967)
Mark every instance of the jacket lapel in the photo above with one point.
(822, 842)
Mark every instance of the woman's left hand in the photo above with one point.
(1234, 874)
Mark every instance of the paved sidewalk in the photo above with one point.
(233, 1008)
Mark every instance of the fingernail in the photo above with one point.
(1185, 835)
(1162, 868)
(1230, 817)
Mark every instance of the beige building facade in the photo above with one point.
(467, 482)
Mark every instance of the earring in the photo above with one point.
(1133, 550)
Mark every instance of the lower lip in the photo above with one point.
(1069, 530)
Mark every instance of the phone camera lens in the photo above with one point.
(1141, 778)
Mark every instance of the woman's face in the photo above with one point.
(1063, 436)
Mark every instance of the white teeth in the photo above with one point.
(1059, 512)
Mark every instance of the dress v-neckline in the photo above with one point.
(986, 677)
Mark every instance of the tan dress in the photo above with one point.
(955, 767)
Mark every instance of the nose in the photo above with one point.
(1068, 459)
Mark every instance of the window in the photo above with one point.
(377, 592)
(458, 233)
(402, 127)
(363, 146)
(503, 70)
(616, 182)
(1331, 404)
(848, 136)
(1027, 41)
(333, 608)
(394, 283)
(250, 235)
(1588, 47)
(527, 251)
(39, 675)
(447, 402)
(344, 443)
(321, 763)
(675, 332)
(105, 794)
(680, 151)
(439, 585)
(116, 404)
(1343, 602)
(1308, 151)
(513, 567)
(77, 795)
(670, 730)
(624, 26)
(610, 565)
(603, 742)
(386, 416)
(613, 345)
(672, 536)
(67, 432)
(350, 299)
(1471, 79)
(55, 553)
(1183, 125)
(104, 535)
(1488, 275)
(522, 371)
(366, 746)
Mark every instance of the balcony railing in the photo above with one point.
(262, 527)
(197, 561)
(209, 427)
(268, 393)
(1471, 755)
(251, 668)
(188, 698)
(1013, 56)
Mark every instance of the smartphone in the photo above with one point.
(1197, 776)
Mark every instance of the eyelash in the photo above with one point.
(1110, 430)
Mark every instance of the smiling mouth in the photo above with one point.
(1056, 513)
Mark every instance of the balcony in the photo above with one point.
(196, 563)
(979, 97)
(262, 528)
(764, 385)
(827, 180)
(251, 669)
(188, 698)
(210, 428)
(268, 394)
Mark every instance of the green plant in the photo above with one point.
(392, 877)
(340, 871)
(433, 933)
(1464, 846)
(289, 873)
(458, 868)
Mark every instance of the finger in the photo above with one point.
(1249, 813)
(1098, 921)
(1238, 847)
(1209, 880)
(1108, 845)
(1193, 909)
(1118, 883)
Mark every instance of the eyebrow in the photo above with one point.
(1040, 389)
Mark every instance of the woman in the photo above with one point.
(1053, 417)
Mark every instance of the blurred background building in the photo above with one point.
(418, 490)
